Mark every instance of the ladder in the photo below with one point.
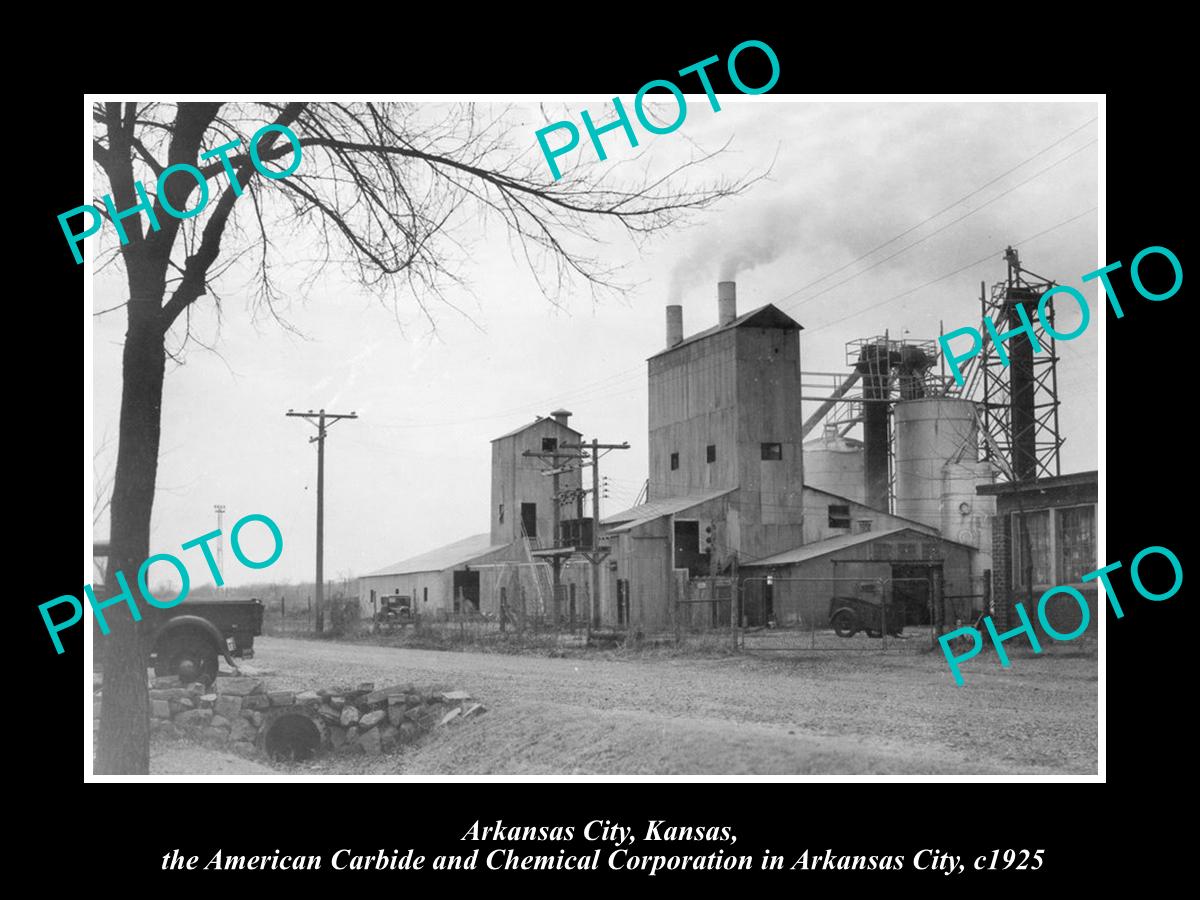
(541, 577)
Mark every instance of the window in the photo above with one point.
(425, 595)
(710, 452)
(501, 513)
(674, 461)
(864, 525)
(1075, 536)
(1031, 549)
(839, 516)
(549, 445)
(772, 451)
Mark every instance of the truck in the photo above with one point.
(849, 615)
(190, 639)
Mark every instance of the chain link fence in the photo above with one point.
(854, 614)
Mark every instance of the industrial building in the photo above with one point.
(1044, 535)
(950, 501)
(486, 571)
(728, 489)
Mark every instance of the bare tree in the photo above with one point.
(102, 483)
(381, 189)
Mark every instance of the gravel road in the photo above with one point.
(825, 713)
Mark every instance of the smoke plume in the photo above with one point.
(731, 248)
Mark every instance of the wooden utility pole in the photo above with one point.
(596, 555)
(318, 419)
(556, 471)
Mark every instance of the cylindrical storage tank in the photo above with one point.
(835, 464)
(967, 516)
(930, 433)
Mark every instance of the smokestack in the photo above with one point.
(726, 302)
(561, 416)
(674, 325)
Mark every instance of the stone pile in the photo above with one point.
(242, 715)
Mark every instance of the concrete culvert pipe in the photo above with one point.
(292, 738)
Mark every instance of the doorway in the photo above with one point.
(912, 592)
(687, 548)
(529, 519)
(466, 591)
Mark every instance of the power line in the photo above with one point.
(969, 265)
(961, 199)
(941, 229)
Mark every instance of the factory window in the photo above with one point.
(772, 451)
(1075, 534)
(710, 452)
(1033, 561)
(424, 595)
(549, 445)
(839, 516)
(674, 461)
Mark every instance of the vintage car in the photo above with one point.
(850, 615)
(396, 609)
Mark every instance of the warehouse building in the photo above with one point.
(480, 573)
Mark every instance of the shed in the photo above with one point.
(928, 576)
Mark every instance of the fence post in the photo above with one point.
(732, 614)
(282, 612)
(883, 611)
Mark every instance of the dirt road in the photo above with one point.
(822, 714)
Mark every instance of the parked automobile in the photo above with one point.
(850, 615)
(396, 610)
(190, 639)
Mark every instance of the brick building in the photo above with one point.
(1043, 536)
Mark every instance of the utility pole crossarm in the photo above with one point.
(596, 554)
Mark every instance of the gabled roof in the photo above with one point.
(538, 421)
(769, 316)
(841, 542)
(656, 509)
(448, 557)
(913, 523)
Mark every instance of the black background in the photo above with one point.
(1086, 830)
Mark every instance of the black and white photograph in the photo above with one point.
(731, 433)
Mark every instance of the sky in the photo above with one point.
(875, 216)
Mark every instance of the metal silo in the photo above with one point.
(836, 464)
(936, 440)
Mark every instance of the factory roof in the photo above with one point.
(841, 542)
(769, 316)
(656, 509)
(539, 420)
(448, 557)
(1074, 479)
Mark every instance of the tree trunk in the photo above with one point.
(124, 747)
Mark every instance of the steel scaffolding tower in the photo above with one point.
(1020, 400)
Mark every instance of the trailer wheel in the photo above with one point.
(844, 624)
(190, 655)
